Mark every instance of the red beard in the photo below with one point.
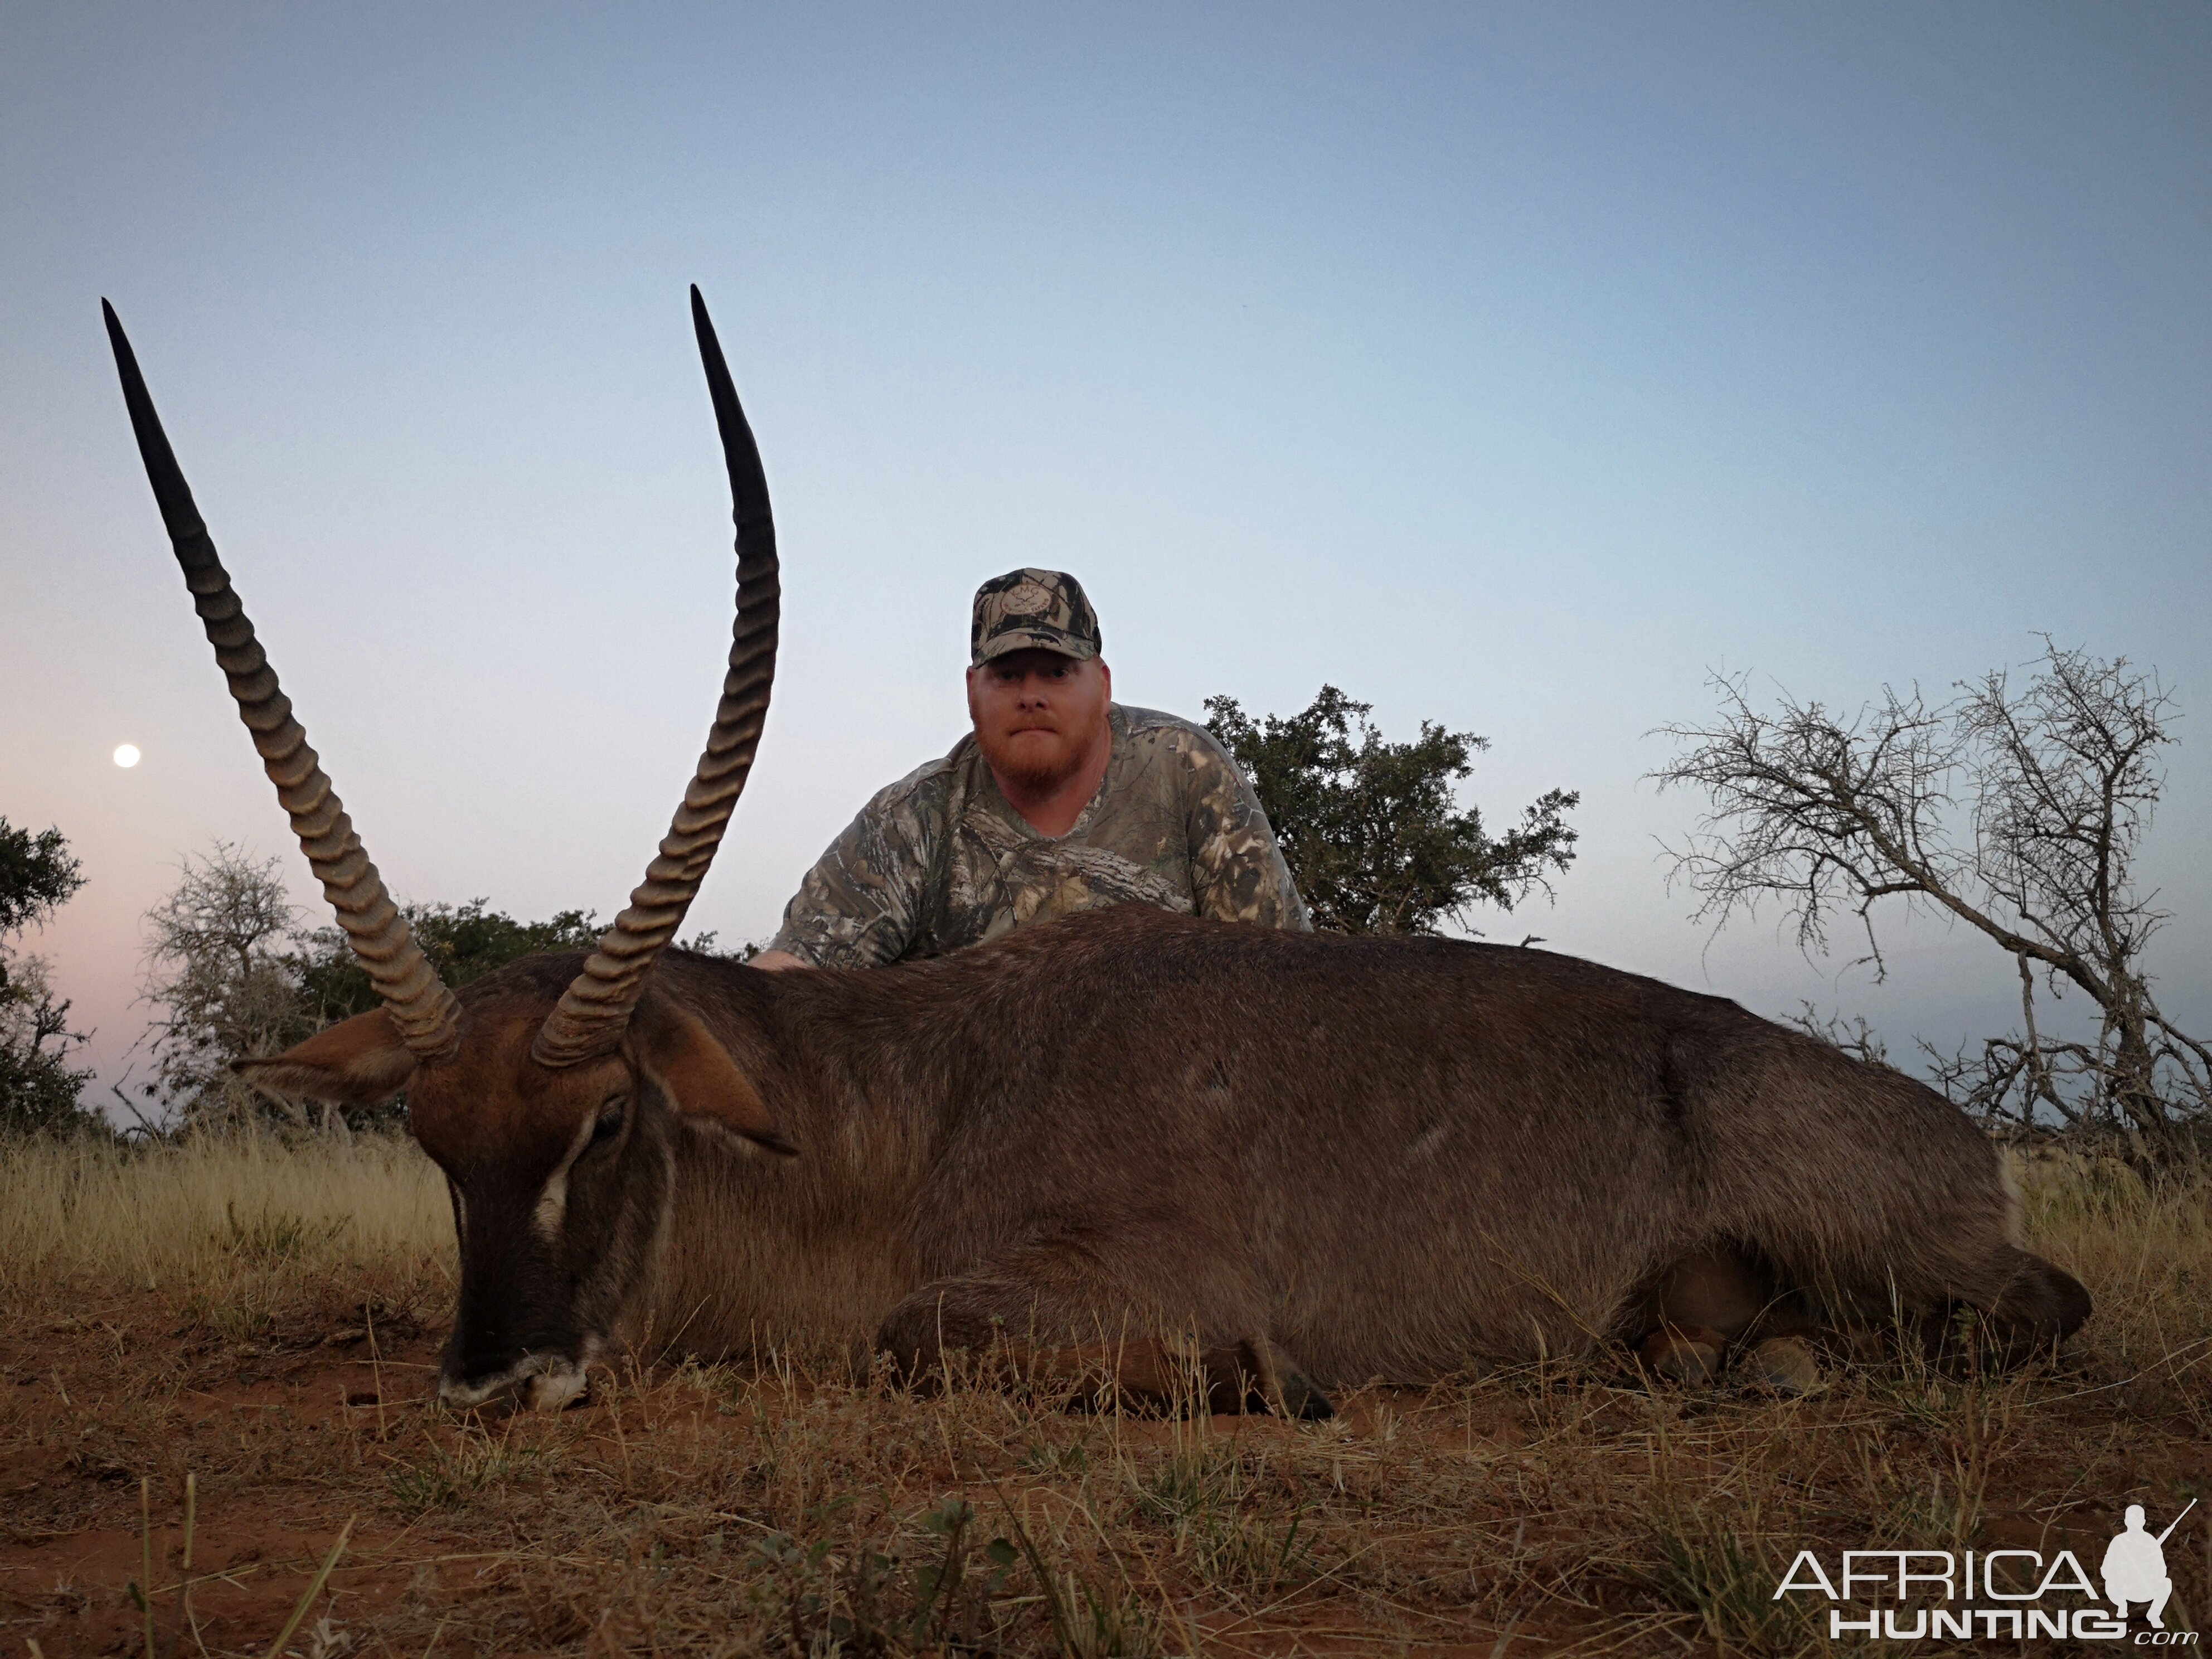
(1030, 762)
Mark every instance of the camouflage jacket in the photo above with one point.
(940, 860)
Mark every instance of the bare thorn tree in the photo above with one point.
(2016, 809)
(220, 973)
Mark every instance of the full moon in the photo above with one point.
(127, 755)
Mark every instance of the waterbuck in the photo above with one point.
(1267, 1164)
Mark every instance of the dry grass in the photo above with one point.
(783, 1508)
(183, 1216)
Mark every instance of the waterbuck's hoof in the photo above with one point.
(1784, 1364)
(1682, 1353)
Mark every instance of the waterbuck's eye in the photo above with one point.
(610, 1119)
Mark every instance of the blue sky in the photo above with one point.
(1513, 368)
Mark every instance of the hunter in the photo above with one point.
(1060, 800)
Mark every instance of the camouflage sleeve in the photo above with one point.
(861, 905)
(1236, 870)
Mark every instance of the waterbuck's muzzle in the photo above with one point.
(543, 1380)
(516, 1331)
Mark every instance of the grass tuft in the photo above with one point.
(1725, 1573)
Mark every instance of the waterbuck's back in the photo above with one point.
(1389, 1155)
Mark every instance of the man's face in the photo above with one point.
(1038, 714)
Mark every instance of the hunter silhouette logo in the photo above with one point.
(2135, 1566)
(2001, 1595)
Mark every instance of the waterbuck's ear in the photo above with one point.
(356, 1062)
(698, 1076)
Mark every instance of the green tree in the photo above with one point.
(40, 1092)
(1373, 830)
(464, 942)
(37, 876)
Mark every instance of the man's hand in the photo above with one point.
(775, 962)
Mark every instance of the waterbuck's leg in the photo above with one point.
(1154, 1372)
(1715, 1301)
(2026, 1306)
(2041, 1304)
(2030, 1306)
(1058, 1317)
(1142, 1371)
(1714, 1290)
(1695, 1310)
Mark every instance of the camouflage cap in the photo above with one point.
(1032, 610)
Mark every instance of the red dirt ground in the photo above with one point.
(1511, 1519)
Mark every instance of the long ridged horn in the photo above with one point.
(597, 1005)
(422, 1007)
